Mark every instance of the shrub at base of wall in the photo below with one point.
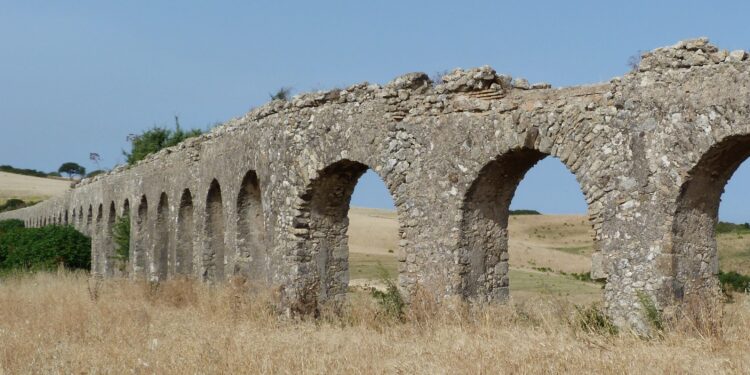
(32, 249)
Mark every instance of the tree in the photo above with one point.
(71, 169)
(155, 139)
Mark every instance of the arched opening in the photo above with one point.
(695, 251)
(74, 219)
(214, 257)
(80, 217)
(100, 257)
(139, 243)
(250, 228)
(525, 250)
(161, 238)
(65, 218)
(108, 242)
(325, 213)
(185, 225)
(59, 219)
(89, 220)
(373, 234)
(122, 238)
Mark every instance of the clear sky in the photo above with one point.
(78, 77)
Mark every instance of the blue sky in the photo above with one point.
(78, 77)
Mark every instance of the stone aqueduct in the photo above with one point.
(266, 195)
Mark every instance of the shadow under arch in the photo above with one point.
(483, 243)
(139, 243)
(695, 262)
(323, 213)
(250, 229)
(185, 233)
(161, 239)
(214, 257)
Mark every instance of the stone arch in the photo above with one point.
(65, 218)
(59, 218)
(483, 243)
(695, 261)
(161, 239)
(250, 227)
(124, 261)
(215, 255)
(323, 223)
(138, 241)
(74, 218)
(98, 258)
(89, 219)
(80, 216)
(185, 232)
(107, 240)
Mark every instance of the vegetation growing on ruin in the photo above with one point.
(121, 236)
(155, 139)
(283, 93)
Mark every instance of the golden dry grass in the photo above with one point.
(30, 188)
(50, 324)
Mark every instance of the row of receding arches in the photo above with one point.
(160, 252)
(483, 245)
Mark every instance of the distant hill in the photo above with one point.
(30, 188)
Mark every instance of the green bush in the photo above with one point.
(14, 204)
(726, 227)
(390, 301)
(653, 315)
(12, 224)
(525, 212)
(592, 319)
(42, 248)
(155, 139)
(733, 281)
(121, 235)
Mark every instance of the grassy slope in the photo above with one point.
(30, 188)
(559, 242)
(562, 243)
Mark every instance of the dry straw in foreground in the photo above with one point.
(62, 323)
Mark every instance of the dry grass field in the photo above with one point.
(554, 243)
(30, 188)
(67, 323)
(64, 323)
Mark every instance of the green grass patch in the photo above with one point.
(576, 250)
(550, 283)
(725, 227)
(370, 266)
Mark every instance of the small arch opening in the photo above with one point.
(139, 243)
(697, 247)
(526, 250)
(250, 228)
(325, 213)
(214, 258)
(185, 229)
(161, 238)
